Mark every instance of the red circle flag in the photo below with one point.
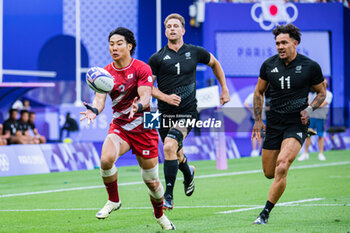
(273, 9)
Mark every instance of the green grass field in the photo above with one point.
(322, 189)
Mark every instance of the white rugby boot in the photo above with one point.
(108, 208)
(165, 223)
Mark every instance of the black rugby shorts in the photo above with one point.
(279, 128)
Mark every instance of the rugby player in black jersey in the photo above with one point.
(174, 67)
(289, 76)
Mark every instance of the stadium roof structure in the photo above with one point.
(11, 91)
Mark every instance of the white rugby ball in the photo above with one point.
(99, 80)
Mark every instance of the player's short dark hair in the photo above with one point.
(12, 110)
(31, 113)
(290, 29)
(175, 16)
(24, 111)
(128, 35)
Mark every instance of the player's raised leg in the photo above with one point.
(149, 173)
(113, 147)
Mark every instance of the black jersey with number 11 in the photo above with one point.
(176, 74)
(290, 85)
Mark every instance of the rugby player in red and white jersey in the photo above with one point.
(130, 96)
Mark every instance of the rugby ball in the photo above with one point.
(99, 80)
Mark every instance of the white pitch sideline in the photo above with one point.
(197, 177)
(178, 207)
(278, 204)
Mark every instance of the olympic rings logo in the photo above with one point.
(205, 97)
(273, 12)
(4, 163)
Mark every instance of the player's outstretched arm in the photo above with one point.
(93, 110)
(172, 99)
(258, 101)
(321, 91)
(220, 76)
(139, 104)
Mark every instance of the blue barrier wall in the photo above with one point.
(228, 17)
(45, 158)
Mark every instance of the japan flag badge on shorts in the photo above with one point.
(145, 152)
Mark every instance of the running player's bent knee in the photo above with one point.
(170, 149)
(177, 135)
(151, 179)
(281, 170)
(107, 162)
(109, 172)
(269, 175)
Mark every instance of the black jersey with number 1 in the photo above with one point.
(289, 85)
(176, 74)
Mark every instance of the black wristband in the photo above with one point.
(93, 109)
(140, 107)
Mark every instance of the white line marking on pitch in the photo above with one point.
(177, 207)
(66, 189)
(261, 206)
(197, 177)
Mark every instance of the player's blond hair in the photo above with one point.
(175, 16)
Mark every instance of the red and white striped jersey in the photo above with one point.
(126, 82)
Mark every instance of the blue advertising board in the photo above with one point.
(22, 160)
(241, 55)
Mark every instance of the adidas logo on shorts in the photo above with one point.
(300, 134)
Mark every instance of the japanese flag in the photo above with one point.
(145, 152)
(274, 11)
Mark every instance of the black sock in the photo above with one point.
(170, 172)
(268, 207)
(183, 166)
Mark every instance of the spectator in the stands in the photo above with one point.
(21, 104)
(10, 129)
(3, 140)
(41, 138)
(70, 125)
(17, 105)
(26, 104)
(23, 128)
